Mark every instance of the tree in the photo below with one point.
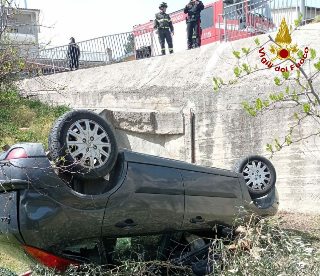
(305, 101)
(129, 46)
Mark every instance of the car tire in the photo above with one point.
(82, 143)
(7, 272)
(258, 172)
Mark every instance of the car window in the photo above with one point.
(140, 248)
(87, 249)
(207, 18)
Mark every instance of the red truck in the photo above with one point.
(220, 20)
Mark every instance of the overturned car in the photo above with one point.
(73, 205)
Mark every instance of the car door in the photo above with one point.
(210, 199)
(150, 200)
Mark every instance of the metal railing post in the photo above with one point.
(225, 28)
(151, 43)
(54, 70)
(219, 29)
(192, 135)
(303, 10)
(2, 16)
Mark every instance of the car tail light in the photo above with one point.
(17, 153)
(49, 260)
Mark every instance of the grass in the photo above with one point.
(266, 248)
(25, 120)
(12, 264)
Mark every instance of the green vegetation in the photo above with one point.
(265, 248)
(11, 264)
(25, 120)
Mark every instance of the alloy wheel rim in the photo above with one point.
(88, 144)
(257, 175)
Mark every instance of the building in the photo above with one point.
(24, 26)
(292, 12)
(21, 25)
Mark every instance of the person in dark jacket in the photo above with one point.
(73, 54)
(193, 9)
(164, 27)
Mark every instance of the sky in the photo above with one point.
(86, 19)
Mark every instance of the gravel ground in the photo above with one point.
(301, 222)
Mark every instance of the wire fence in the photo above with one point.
(252, 17)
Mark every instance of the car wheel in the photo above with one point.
(83, 143)
(258, 173)
(6, 272)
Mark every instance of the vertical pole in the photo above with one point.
(219, 29)
(151, 37)
(303, 10)
(1, 16)
(25, 4)
(192, 132)
(225, 28)
(134, 44)
(54, 70)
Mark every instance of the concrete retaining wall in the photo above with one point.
(149, 103)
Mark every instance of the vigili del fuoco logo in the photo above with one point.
(285, 51)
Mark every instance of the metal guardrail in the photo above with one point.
(252, 17)
(99, 51)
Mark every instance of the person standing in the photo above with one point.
(164, 27)
(73, 54)
(193, 9)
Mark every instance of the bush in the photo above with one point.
(264, 248)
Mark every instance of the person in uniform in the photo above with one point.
(73, 54)
(193, 9)
(164, 27)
